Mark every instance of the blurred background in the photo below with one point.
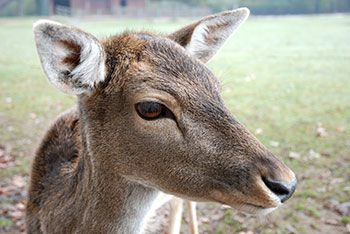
(166, 8)
(285, 75)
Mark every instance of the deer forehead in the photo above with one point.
(157, 63)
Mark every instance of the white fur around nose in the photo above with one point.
(72, 80)
(212, 33)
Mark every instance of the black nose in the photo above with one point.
(282, 190)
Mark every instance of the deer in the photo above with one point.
(149, 119)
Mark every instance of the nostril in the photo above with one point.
(276, 187)
(282, 190)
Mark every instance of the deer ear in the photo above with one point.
(73, 61)
(204, 38)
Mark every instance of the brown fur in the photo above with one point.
(99, 156)
(73, 60)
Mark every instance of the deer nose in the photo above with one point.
(282, 190)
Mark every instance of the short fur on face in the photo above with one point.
(203, 129)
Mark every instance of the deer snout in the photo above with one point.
(281, 189)
(276, 177)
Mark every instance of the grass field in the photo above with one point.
(286, 78)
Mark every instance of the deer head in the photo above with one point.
(152, 112)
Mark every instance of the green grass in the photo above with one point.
(5, 223)
(345, 220)
(283, 75)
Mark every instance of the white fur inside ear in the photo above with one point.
(212, 33)
(74, 61)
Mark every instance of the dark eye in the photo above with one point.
(151, 110)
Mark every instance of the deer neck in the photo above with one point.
(116, 204)
(120, 206)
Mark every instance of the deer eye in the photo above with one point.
(151, 110)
